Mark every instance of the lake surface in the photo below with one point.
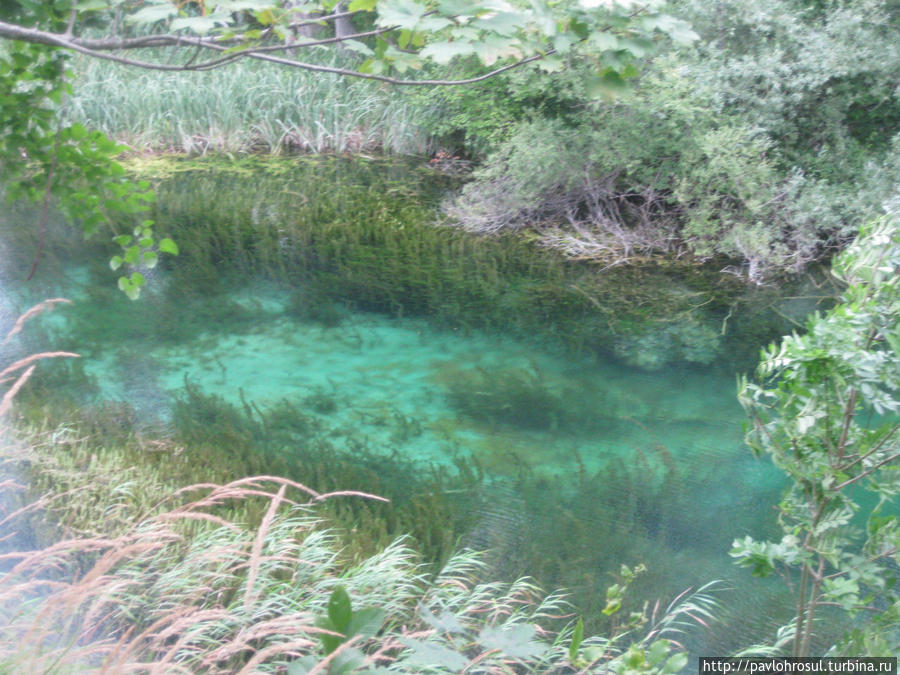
(589, 461)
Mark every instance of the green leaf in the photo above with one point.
(447, 621)
(637, 46)
(115, 262)
(493, 47)
(77, 131)
(657, 652)
(516, 641)
(577, 638)
(92, 5)
(675, 664)
(166, 245)
(606, 85)
(444, 52)
(461, 8)
(563, 42)
(366, 622)
(302, 666)
(329, 642)
(432, 24)
(152, 14)
(428, 654)
(340, 610)
(358, 47)
(551, 64)
(201, 25)
(365, 5)
(603, 42)
(683, 35)
(132, 255)
(501, 23)
(244, 5)
(347, 661)
(401, 13)
(149, 258)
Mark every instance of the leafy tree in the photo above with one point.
(44, 159)
(825, 408)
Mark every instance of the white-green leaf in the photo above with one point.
(150, 259)
(428, 654)
(516, 641)
(201, 25)
(502, 23)
(444, 52)
(153, 13)
(402, 13)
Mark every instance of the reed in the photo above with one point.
(247, 107)
(181, 589)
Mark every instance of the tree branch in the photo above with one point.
(100, 49)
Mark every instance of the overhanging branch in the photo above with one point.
(105, 49)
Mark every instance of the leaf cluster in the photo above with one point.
(825, 407)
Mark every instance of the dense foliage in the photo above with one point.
(769, 141)
(825, 407)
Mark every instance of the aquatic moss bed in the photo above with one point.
(317, 324)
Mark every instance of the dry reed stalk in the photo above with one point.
(34, 506)
(182, 629)
(6, 401)
(283, 625)
(259, 540)
(37, 559)
(272, 650)
(207, 517)
(351, 493)
(46, 305)
(21, 363)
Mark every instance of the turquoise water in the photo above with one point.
(668, 480)
(588, 462)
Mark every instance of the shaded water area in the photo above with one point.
(564, 417)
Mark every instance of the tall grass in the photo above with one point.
(246, 107)
(233, 597)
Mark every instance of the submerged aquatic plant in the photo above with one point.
(517, 397)
(523, 398)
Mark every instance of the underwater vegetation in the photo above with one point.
(522, 398)
(209, 439)
(361, 234)
(337, 238)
